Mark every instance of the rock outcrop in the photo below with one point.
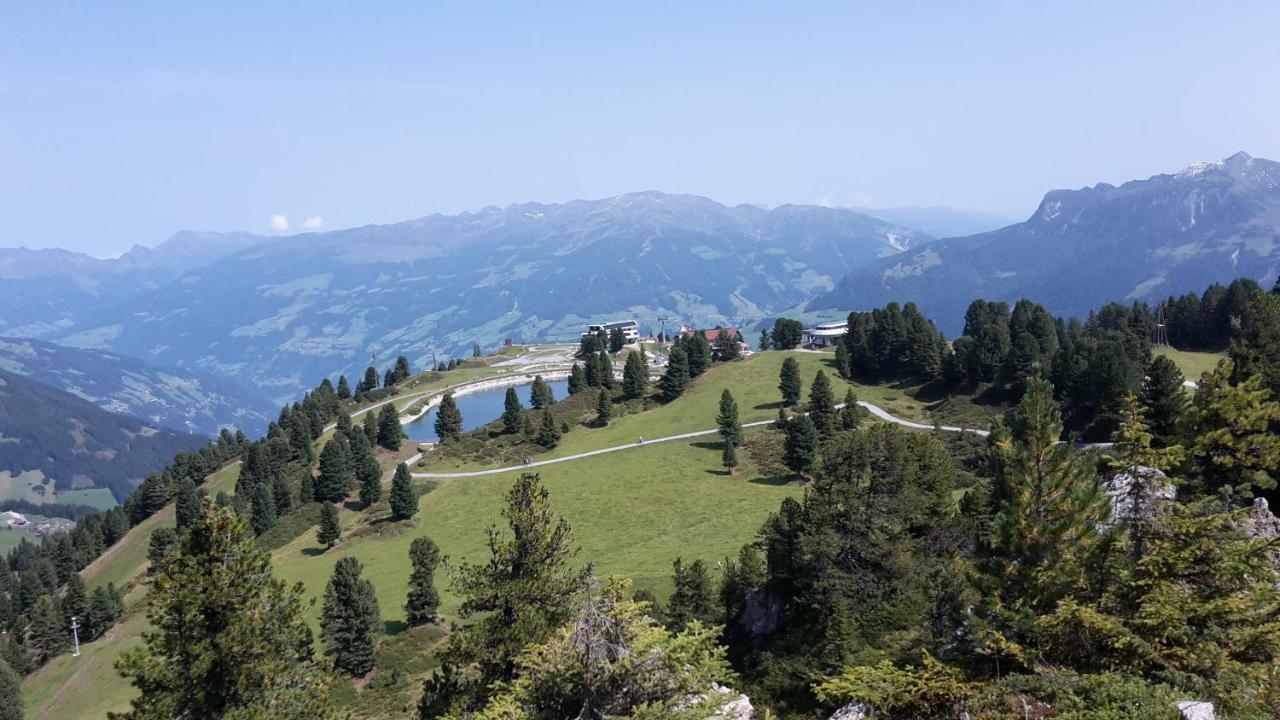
(761, 614)
(855, 711)
(1197, 710)
(1160, 492)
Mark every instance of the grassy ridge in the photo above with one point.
(1192, 364)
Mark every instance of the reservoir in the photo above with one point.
(479, 408)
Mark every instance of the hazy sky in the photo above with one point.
(123, 125)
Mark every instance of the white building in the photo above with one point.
(12, 519)
(824, 334)
(630, 330)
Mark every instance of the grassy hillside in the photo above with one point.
(1192, 364)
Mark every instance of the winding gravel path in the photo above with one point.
(875, 410)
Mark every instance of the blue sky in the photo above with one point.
(121, 125)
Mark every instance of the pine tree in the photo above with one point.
(789, 381)
(729, 457)
(330, 529)
(577, 379)
(604, 370)
(699, 352)
(366, 470)
(371, 427)
(617, 340)
(370, 380)
(476, 351)
(512, 413)
(390, 434)
(47, 633)
(822, 406)
(75, 603)
(604, 407)
(727, 421)
(1232, 447)
(10, 693)
(693, 598)
(676, 378)
(249, 656)
(448, 419)
(843, 368)
(1164, 399)
(800, 448)
(726, 348)
(635, 376)
(402, 371)
(335, 471)
(548, 434)
(404, 501)
(1137, 459)
(423, 600)
(101, 615)
(591, 371)
(741, 577)
(541, 396)
(263, 505)
(350, 622)
(344, 388)
(526, 589)
(282, 495)
(187, 503)
(851, 413)
(764, 340)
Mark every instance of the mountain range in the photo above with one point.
(1143, 240)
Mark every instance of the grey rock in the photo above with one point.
(854, 711)
(762, 613)
(1160, 492)
(1197, 710)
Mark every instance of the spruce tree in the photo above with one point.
(75, 603)
(187, 503)
(676, 378)
(822, 406)
(800, 448)
(370, 380)
(540, 395)
(727, 421)
(101, 614)
(843, 368)
(591, 370)
(390, 434)
(371, 486)
(330, 529)
(617, 340)
(1164, 399)
(699, 352)
(366, 470)
(693, 597)
(371, 427)
(249, 654)
(10, 693)
(764, 340)
(1138, 460)
(1232, 447)
(402, 371)
(47, 632)
(604, 407)
(404, 501)
(726, 348)
(344, 389)
(729, 457)
(263, 506)
(350, 622)
(577, 379)
(741, 577)
(851, 413)
(635, 376)
(789, 381)
(423, 600)
(512, 413)
(548, 434)
(605, 370)
(448, 419)
(335, 471)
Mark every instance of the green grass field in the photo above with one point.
(1192, 364)
(34, 487)
(10, 539)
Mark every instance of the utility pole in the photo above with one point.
(75, 637)
(663, 320)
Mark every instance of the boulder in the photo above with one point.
(854, 711)
(761, 613)
(1197, 710)
(1160, 491)
(731, 705)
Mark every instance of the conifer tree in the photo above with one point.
(851, 413)
(604, 370)
(247, 657)
(102, 612)
(577, 379)
(512, 413)
(843, 368)
(370, 380)
(699, 352)
(591, 370)
(727, 421)
(604, 406)
(540, 394)
(402, 371)
(10, 693)
(617, 340)
(448, 419)
(335, 471)
(693, 597)
(389, 378)
(727, 345)
(263, 508)
(800, 447)
(187, 503)
(366, 471)
(764, 340)
(676, 378)
(822, 406)
(344, 388)
(350, 622)
(370, 485)
(1137, 459)
(476, 351)
(423, 600)
(741, 577)
(1231, 446)
(404, 501)
(1164, 399)
(330, 529)
(282, 495)
(635, 376)
(548, 434)
(527, 588)
(390, 434)
(75, 602)
(729, 457)
(789, 381)
(371, 427)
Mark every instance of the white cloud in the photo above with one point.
(315, 222)
(279, 223)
